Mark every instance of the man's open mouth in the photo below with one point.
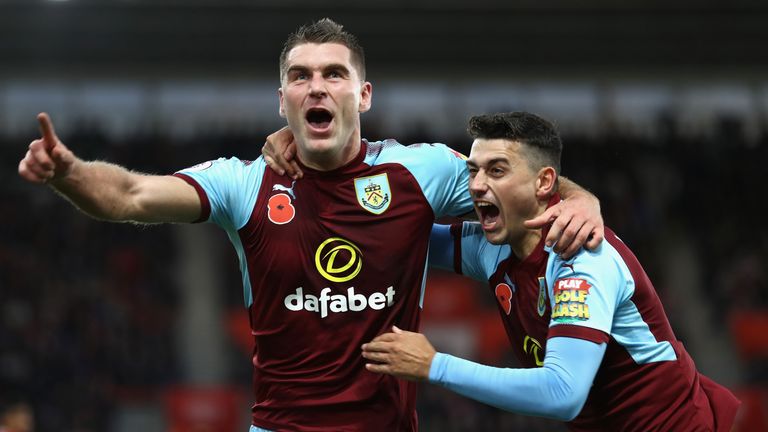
(319, 118)
(488, 214)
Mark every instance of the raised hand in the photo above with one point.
(576, 222)
(47, 159)
(280, 153)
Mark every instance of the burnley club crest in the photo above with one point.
(373, 193)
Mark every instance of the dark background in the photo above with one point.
(663, 108)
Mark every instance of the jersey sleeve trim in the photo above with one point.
(205, 204)
(456, 234)
(578, 332)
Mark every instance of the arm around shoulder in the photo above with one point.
(575, 222)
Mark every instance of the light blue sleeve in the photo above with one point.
(586, 290)
(556, 390)
(595, 290)
(479, 259)
(441, 247)
(231, 187)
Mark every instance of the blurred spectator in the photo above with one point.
(17, 417)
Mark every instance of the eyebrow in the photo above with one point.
(296, 68)
(329, 67)
(336, 67)
(493, 161)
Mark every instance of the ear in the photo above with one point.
(546, 183)
(281, 111)
(366, 94)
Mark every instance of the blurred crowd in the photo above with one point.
(88, 310)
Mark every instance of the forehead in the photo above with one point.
(499, 149)
(318, 54)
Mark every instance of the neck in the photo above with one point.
(529, 239)
(524, 246)
(332, 158)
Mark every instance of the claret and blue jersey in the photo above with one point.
(329, 262)
(645, 381)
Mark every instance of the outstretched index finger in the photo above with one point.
(46, 128)
(543, 219)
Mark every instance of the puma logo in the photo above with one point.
(288, 190)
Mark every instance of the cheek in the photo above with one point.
(348, 104)
(514, 200)
(292, 95)
(348, 95)
(291, 105)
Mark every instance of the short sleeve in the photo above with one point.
(228, 189)
(584, 294)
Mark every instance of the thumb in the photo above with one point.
(396, 329)
(47, 130)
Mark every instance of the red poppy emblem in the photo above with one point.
(504, 296)
(280, 210)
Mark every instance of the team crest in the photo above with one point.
(373, 193)
(542, 303)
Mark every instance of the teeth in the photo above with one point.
(483, 204)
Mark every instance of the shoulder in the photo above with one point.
(603, 267)
(422, 154)
(226, 164)
(604, 255)
(226, 179)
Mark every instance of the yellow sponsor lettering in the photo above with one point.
(558, 311)
(571, 310)
(577, 310)
(581, 296)
(571, 296)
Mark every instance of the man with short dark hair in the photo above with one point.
(593, 337)
(328, 261)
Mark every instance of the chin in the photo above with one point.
(320, 144)
(496, 238)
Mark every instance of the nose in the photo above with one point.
(317, 85)
(478, 184)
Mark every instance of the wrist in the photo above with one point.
(67, 174)
(436, 367)
(577, 194)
